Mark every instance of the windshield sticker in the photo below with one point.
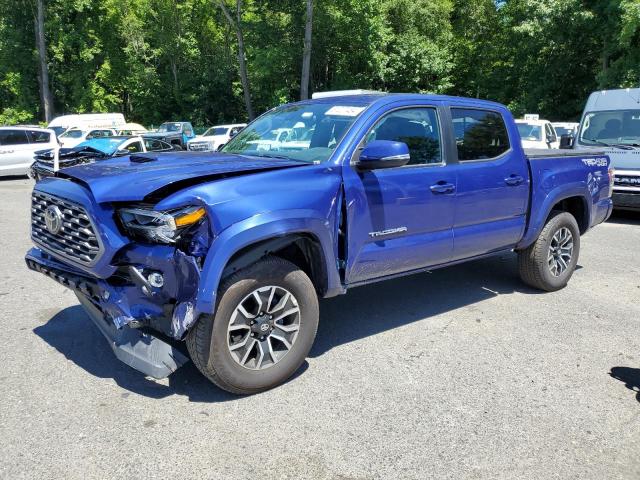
(595, 162)
(344, 111)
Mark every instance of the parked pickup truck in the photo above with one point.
(229, 251)
(174, 133)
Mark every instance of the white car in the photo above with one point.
(75, 136)
(214, 137)
(17, 147)
(49, 161)
(537, 134)
(284, 139)
(566, 128)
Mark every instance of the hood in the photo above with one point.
(161, 134)
(132, 178)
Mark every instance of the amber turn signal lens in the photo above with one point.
(190, 218)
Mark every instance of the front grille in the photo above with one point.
(76, 238)
(626, 181)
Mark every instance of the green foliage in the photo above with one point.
(157, 60)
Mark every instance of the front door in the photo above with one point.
(493, 184)
(400, 219)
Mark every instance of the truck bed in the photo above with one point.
(533, 153)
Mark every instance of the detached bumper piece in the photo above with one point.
(138, 349)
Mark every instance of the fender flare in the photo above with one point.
(540, 211)
(258, 229)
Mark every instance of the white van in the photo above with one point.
(87, 121)
(611, 122)
(18, 145)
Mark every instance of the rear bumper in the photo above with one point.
(626, 201)
(139, 349)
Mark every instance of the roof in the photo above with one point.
(532, 122)
(383, 98)
(619, 99)
(25, 127)
(132, 126)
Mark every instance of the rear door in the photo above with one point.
(15, 150)
(400, 219)
(493, 184)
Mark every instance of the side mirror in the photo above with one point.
(566, 142)
(122, 152)
(383, 154)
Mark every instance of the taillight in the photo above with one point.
(612, 176)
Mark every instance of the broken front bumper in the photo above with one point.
(127, 309)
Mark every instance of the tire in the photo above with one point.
(535, 262)
(211, 340)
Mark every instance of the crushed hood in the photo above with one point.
(132, 178)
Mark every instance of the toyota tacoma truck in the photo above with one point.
(229, 251)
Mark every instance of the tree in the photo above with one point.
(43, 68)
(306, 54)
(236, 24)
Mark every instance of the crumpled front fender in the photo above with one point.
(254, 230)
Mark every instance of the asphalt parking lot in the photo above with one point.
(460, 373)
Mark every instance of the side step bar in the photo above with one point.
(141, 351)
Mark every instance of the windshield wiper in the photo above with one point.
(597, 141)
(283, 157)
(623, 146)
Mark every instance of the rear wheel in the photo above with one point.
(263, 329)
(550, 261)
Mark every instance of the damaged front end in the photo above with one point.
(147, 297)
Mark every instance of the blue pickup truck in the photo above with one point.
(229, 251)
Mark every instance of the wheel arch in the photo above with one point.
(574, 199)
(305, 241)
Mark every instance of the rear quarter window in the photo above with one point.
(36, 136)
(480, 134)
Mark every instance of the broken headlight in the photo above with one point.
(160, 227)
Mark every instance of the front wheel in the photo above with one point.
(551, 260)
(263, 329)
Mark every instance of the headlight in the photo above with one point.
(162, 227)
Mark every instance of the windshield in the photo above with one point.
(106, 145)
(612, 127)
(307, 132)
(72, 134)
(529, 131)
(57, 130)
(169, 127)
(214, 131)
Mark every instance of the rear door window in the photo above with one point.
(480, 134)
(13, 137)
(37, 136)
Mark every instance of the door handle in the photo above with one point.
(442, 187)
(514, 180)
